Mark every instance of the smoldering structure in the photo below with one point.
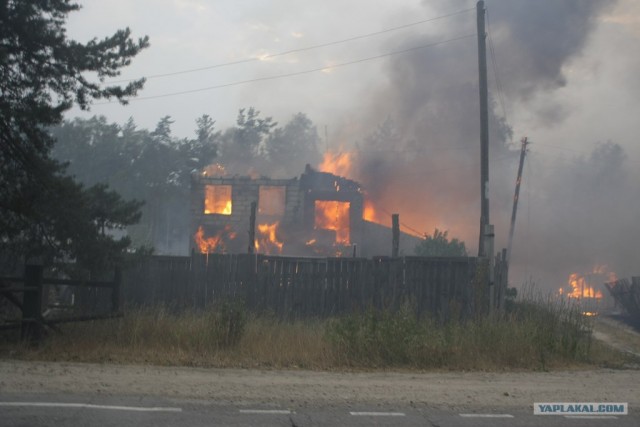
(316, 214)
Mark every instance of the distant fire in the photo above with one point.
(580, 287)
(267, 242)
(213, 244)
(332, 215)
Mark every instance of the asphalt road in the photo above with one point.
(61, 409)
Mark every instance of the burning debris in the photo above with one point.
(267, 242)
(214, 244)
(581, 290)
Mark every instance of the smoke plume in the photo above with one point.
(422, 161)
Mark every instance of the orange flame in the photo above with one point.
(268, 240)
(332, 215)
(336, 163)
(215, 243)
(217, 199)
(579, 288)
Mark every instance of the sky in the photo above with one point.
(562, 73)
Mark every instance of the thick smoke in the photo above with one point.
(423, 159)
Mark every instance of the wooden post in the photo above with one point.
(252, 229)
(489, 240)
(484, 129)
(395, 244)
(32, 304)
(115, 290)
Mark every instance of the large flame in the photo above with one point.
(333, 215)
(336, 163)
(217, 199)
(579, 288)
(216, 243)
(267, 242)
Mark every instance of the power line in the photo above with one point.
(297, 73)
(417, 233)
(302, 49)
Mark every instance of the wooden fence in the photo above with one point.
(34, 308)
(627, 295)
(293, 287)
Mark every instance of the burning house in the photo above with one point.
(319, 213)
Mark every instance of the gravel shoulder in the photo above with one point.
(617, 335)
(310, 388)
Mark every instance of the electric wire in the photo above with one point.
(292, 74)
(402, 224)
(302, 49)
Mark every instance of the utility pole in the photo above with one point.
(252, 229)
(523, 152)
(326, 139)
(484, 130)
(395, 238)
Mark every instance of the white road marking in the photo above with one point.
(592, 417)
(265, 411)
(378, 414)
(486, 415)
(91, 406)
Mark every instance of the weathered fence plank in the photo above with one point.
(306, 287)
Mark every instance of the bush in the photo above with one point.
(230, 322)
(530, 335)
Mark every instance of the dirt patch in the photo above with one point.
(301, 388)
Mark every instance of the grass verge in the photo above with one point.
(533, 335)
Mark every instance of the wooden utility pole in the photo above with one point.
(484, 130)
(395, 242)
(523, 152)
(252, 229)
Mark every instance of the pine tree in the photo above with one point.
(42, 74)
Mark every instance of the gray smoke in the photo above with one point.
(423, 159)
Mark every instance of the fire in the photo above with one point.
(332, 215)
(369, 213)
(217, 199)
(268, 240)
(336, 163)
(215, 243)
(579, 287)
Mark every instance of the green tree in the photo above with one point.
(438, 244)
(241, 148)
(152, 166)
(42, 74)
(291, 147)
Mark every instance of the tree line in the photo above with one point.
(155, 167)
(66, 187)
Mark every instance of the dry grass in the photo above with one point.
(531, 336)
